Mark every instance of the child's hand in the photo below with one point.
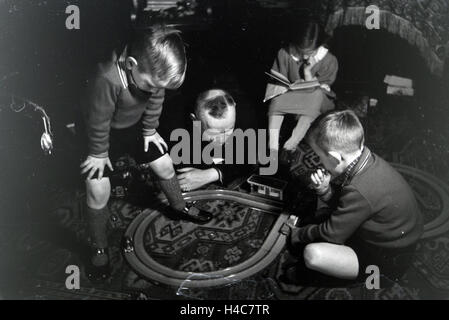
(308, 69)
(320, 181)
(93, 164)
(310, 63)
(157, 140)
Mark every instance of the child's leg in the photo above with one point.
(331, 259)
(163, 167)
(97, 211)
(274, 127)
(299, 132)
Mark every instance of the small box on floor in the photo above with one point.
(267, 186)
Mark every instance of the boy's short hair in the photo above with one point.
(160, 52)
(337, 131)
(215, 103)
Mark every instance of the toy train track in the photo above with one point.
(149, 268)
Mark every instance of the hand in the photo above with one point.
(192, 179)
(92, 164)
(320, 181)
(311, 62)
(157, 140)
(308, 69)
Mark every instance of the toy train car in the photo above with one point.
(267, 186)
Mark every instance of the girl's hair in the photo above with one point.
(160, 52)
(306, 34)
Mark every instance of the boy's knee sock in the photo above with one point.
(97, 223)
(172, 191)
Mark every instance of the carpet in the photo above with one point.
(39, 253)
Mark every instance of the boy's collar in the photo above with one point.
(354, 167)
(121, 67)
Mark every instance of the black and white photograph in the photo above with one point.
(225, 155)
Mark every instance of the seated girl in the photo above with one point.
(305, 58)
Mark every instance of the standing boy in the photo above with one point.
(122, 106)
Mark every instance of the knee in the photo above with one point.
(163, 168)
(97, 196)
(313, 256)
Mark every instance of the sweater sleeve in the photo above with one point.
(352, 211)
(327, 73)
(280, 64)
(98, 104)
(152, 112)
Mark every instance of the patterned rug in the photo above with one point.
(234, 235)
(238, 232)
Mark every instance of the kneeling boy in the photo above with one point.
(374, 219)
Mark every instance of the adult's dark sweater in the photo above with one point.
(111, 101)
(377, 206)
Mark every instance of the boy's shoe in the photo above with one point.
(293, 245)
(98, 268)
(192, 214)
(291, 275)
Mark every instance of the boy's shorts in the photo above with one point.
(129, 141)
(392, 263)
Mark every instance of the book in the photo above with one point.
(396, 81)
(400, 91)
(282, 85)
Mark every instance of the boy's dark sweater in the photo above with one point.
(109, 101)
(377, 206)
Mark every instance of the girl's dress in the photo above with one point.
(309, 102)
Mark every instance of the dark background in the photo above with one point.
(43, 61)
